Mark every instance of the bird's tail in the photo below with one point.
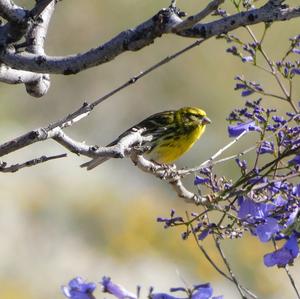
(94, 163)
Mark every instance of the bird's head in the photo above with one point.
(191, 116)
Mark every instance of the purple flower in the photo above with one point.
(284, 255)
(238, 129)
(296, 51)
(115, 289)
(203, 234)
(292, 217)
(233, 50)
(266, 148)
(79, 289)
(247, 59)
(296, 190)
(247, 92)
(162, 296)
(250, 210)
(240, 86)
(203, 291)
(295, 71)
(295, 160)
(200, 180)
(241, 163)
(267, 230)
(278, 119)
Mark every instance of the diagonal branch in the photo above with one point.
(169, 174)
(192, 20)
(15, 167)
(143, 35)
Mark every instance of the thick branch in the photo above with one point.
(129, 40)
(12, 76)
(141, 36)
(36, 38)
(267, 13)
(11, 12)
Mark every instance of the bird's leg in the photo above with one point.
(166, 171)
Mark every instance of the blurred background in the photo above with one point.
(58, 221)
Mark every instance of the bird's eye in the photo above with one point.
(192, 117)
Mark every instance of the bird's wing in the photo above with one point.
(155, 125)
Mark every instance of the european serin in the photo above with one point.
(173, 133)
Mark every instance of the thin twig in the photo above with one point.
(292, 281)
(288, 95)
(192, 20)
(218, 245)
(208, 162)
(214, 264)
(15, 167)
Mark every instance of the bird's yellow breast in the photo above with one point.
(171, 150)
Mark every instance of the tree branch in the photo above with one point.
(15, 167)
(12, 12)
(169, 174)
(12, 76)
(143, 35)
(192, 20)
(35, 39)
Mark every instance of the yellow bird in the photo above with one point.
(173, 133)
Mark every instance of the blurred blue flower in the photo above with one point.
(241, 163)
(247, 59)
(202, 291)
(203, 234)
(266, 230)
(200, 180)
(115, 289)
(284, 255)
(295, 71)
(295, 160)
(247, 92)
(250, 210)
(266, 147)
(162, 296)
(296, 51)
(296, 190)
(238, 129)
(79, 289)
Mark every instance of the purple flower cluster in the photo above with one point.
(79, 289)
(246, 52)
(202, 291)
(263, 200)
(171, 221)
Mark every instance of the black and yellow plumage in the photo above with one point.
(173, 133)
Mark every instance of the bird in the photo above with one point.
(173, 133)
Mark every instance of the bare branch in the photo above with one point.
(267, 13)
(12, 76)
(141, 36)
(169, 174)
(36, 38)
(40, 7)
(12, 12)
(15, 167)
(129, 40)
(192, 20)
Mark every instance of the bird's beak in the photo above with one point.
(206, 120)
